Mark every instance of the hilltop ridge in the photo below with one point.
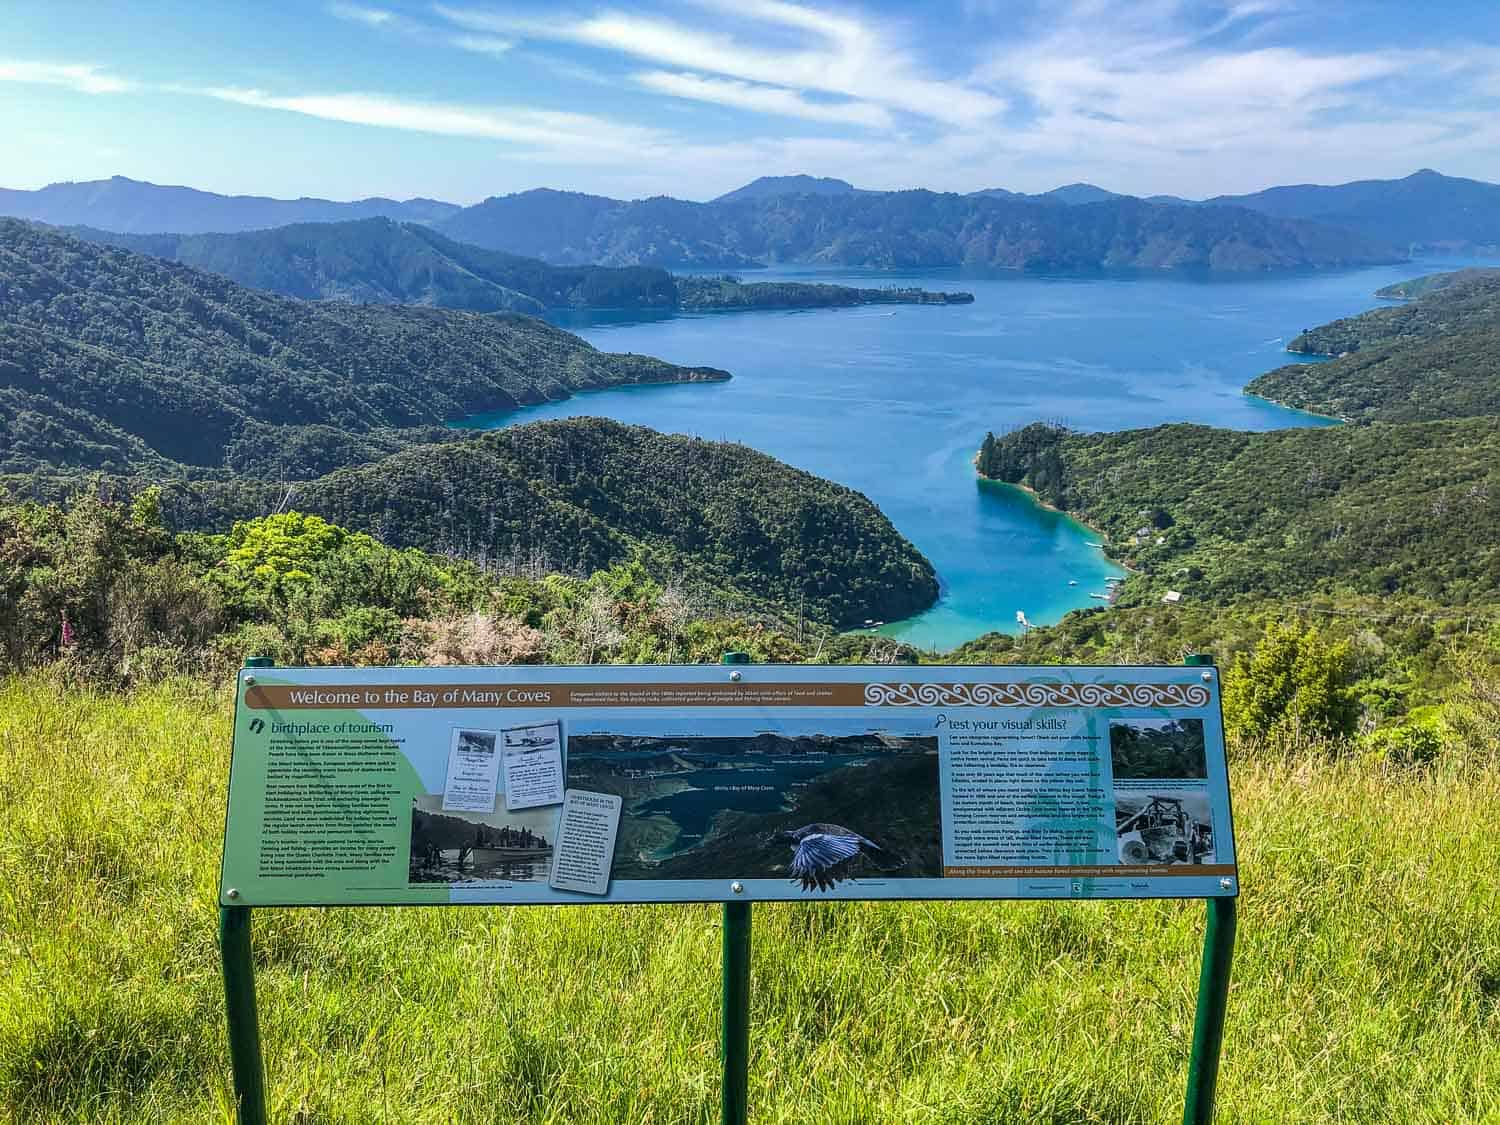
(121, 362)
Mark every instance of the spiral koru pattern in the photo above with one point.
(1036, 695)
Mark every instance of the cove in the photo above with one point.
(894, 401)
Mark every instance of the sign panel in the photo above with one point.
(712, 783)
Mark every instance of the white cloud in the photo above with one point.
(83, 77)
(851, 59)
(762, 99)
(582, 136)
(374, 17)
(482, 44)
(1193, 97)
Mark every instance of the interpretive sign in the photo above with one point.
(691, 784)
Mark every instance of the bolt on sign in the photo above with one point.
(692, 784)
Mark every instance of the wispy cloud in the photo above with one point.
(358, 13)
(1194, 97)
(762, 99)
(843, 56)
(575, 133)
(482, 44)
(397, 23)
(83, 77)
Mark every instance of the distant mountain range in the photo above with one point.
(768, 186)
(1425, 209)
(136, 207)
(807, 219)
(905, 230)
(385, 262)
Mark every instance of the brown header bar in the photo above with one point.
(386, 697)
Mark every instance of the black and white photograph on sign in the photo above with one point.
(1152, 749)
(533, 765)
(1164, 828)
(814, 808)
(473, 777)
(477, 847)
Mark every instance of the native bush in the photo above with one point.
(1296, 686)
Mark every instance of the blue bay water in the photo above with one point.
(894, 401)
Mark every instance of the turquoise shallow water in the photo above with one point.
(895, 401)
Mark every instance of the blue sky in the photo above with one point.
(463, 99)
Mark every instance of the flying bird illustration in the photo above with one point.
(822, 851)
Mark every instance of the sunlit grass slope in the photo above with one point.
(1367, 985)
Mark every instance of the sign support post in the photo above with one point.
(239, 1000)
(1213, 996)
(244, 1025)
(734, 1087)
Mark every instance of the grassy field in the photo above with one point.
(1367, 985)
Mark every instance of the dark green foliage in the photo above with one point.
(381, 261)
(102, 589)
(579, 495)
(122, 362)
(100, 582)
(1379, 509)
(1436, 357)
(1031, 456)
(905, 229)
(1294, 687)
(730, 292)
(1172, 750)
(1432, 283)
(740, 532)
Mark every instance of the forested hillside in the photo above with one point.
(578, 495)
(382, 261)
(737, 530)
(906, 229)
(1435, 357)
(121, 362)
(1421, 286)
(1381, 509)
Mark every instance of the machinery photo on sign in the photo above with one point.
(1164, 828)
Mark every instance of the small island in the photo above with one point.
(729, 292)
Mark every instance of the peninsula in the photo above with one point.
(729, 292)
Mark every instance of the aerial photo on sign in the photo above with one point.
(813, 807)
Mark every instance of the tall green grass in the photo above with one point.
(1366, 985)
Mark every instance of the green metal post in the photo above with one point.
(1213, 1000)
(239, 1000)
(734, 1092)
(1213, 995)
(244, 1024)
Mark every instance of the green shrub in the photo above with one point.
(1295, 686)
